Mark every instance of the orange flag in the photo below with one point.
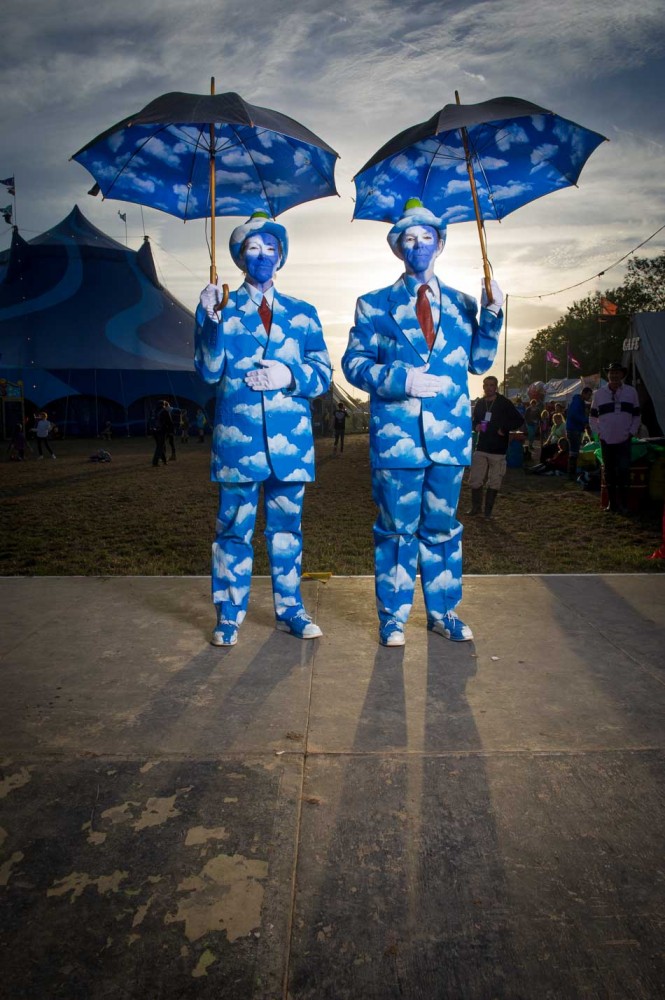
(608, 308)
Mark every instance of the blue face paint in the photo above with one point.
(420, 248)
(260, 255)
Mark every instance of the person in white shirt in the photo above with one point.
(42, 430)
(615, 417)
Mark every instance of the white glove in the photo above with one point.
(209, 298)
(497, 295)
(419, 383)
(272, 375)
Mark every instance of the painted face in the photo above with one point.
(260, 256)
(420, 247)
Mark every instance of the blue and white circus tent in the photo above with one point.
(88, 328)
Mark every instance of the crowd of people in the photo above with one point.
(607, 419)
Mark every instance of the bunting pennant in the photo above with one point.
(6, 214)
(551, 360)
(608, 308)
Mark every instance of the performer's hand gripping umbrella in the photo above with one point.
(194, 155)
(479, 161)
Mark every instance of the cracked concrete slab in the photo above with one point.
(326, 820)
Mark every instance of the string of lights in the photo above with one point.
(578, 284)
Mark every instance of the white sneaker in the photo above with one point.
(391, 633)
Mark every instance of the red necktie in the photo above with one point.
(265, 312)
(424, 314)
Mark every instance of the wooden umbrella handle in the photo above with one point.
(225, 298)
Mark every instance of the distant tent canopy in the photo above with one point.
(559, 390)
(87, 326)
(562, 390)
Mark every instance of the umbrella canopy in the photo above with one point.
(517, 152)
(161, 157)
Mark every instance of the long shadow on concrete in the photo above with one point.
(400, 887)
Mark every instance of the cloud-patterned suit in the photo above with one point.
(260, 437)
(418, 446)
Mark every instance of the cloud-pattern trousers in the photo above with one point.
(416, 522)
(233, 553)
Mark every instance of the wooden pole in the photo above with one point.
(213, 267)
(505, 343)
(476, 207)
(213, 263)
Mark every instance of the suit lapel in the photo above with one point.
(250, 316)
(402, 308)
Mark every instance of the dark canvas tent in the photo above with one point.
(91, 332)
(644, 356)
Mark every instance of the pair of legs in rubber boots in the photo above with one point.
(490, 469)
(477, 502)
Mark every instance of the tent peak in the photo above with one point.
(76, 228)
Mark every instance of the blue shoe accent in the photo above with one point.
(451, 627)
(391, 633)
(225, 634)
(300, 625)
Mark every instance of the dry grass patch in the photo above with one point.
(73, 517)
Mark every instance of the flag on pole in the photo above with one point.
(123, 216)
(9, 184)
(574, 362)
(608, 308)
(6, 214)
(551, 360)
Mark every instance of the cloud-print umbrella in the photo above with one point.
(185, 153)
(479, 161)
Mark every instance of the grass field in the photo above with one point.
(73, 517)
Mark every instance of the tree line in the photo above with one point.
(593, 335)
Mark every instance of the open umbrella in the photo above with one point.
(479, 161)
(194, 155)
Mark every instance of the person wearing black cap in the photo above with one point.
(615, 417)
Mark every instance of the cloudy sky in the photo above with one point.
(355, 73)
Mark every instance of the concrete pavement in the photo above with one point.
(330, 819)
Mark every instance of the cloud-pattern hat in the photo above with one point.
(259, 222)
(415, 214)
